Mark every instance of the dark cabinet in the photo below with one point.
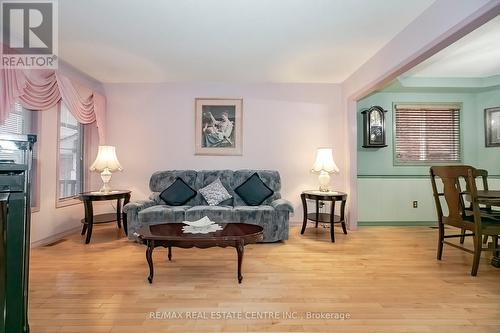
(15, 181)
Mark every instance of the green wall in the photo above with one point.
(488, 158)
(385, 191)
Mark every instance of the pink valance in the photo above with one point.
(40, 90)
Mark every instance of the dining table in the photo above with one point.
(489, 197)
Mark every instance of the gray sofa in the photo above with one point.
(272, 214)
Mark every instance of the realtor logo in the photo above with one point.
(29, 34)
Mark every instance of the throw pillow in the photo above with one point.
(178, 193)
(214, 193)
(253, 191)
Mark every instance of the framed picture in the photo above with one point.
(492, 127)
(218, 126)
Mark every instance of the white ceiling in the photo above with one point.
(228, 40)
(476, 55)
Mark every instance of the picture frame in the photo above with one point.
(218, 126)
(492, 127)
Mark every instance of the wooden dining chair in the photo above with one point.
(477, 224)
(485, 207)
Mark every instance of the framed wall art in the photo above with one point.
(492, 127)
(218, 126)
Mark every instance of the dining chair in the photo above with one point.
(485, 206)
(477, 224)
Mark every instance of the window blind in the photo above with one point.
(22, 121)
(14, 123)
(427, 133)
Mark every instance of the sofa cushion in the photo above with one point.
(163, 213)
(215, 193)
(254, 191)
(270, 177)
(178, 193)
(223, 214)
(254, 214)
(160, 180)
(206, 177)
(259, 215)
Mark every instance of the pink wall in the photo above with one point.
(152, 126)
(50, 223)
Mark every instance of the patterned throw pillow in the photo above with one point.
(214, 193)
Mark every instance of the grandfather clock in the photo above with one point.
(374, 127)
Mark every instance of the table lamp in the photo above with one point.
(105, 163)
(324, 166)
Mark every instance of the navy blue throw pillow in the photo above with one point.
(253, 191)
(178, 193)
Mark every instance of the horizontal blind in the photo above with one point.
(22, 121)
(427, 133)
(14, 123)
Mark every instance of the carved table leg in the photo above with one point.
(304, 207)
(124, 216)
(89, 219)
(317, 212)
(332, 221)
(342, 216)
(149, 258)
(169, 253)
(240, 249)
(119, 212)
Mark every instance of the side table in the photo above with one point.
(318, 217)
(90, 219)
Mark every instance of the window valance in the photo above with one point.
(41, 89)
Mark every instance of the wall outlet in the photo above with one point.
(415, 204)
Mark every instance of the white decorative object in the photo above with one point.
(324, 165)
(106, 162)
(215, 193)
(187, 229)
(203, 222)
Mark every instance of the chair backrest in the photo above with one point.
(484, 178)
(453, 195)
(484, 175)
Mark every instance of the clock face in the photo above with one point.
(376, 134)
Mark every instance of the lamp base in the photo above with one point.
(106, 177)
(324, 181)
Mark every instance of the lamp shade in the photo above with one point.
(324, 161)
(106, 159)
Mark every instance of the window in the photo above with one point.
(70, 156)
(22, 121)
(427, 133)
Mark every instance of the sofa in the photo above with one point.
(272, 214)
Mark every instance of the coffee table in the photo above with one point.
(171, 235)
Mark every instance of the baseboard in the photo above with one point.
(398, 223)
(55, 238)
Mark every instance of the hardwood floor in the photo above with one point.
(386, 278)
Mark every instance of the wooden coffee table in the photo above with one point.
(171, 235)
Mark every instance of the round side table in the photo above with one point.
(90, 219)
(318, 217)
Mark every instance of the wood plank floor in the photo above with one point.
(386, 278)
